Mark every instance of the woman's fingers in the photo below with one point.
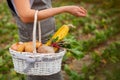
(83, 10)
(76, 10)
(79, 14)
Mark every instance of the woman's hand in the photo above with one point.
(76, 10)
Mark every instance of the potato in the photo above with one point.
(15, 46)
(29, 46)
(38, 44)
(26, 46)
(45, 49)
(21, 48)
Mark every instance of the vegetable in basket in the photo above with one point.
(44, 48)
(24, 46)
(19, 46)
(58, 36)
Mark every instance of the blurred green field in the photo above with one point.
(95, 36)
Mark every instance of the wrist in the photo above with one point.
(64, 8)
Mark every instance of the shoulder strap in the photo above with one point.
(11, 6)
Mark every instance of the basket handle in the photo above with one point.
(34, 31)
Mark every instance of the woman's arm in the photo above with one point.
(27, 14)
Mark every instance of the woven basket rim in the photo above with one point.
(38, 54)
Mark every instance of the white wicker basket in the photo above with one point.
(37, 63)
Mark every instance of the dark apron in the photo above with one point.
(25, 31)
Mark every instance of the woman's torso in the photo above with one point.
(47, 25)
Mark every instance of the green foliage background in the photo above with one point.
(101, 24)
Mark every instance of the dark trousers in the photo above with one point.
(57, 76)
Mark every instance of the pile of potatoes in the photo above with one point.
(28, 47)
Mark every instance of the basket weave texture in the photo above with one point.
(39, 64)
